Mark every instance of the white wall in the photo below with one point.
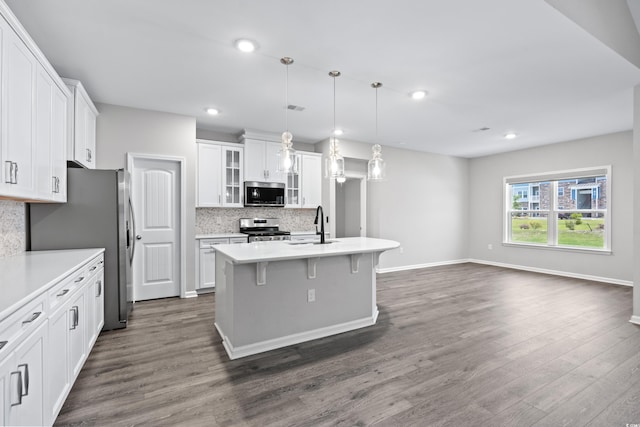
(486, 205)
(422, 204)
(122, 130)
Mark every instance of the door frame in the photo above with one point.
(363, 202)
(181, 161)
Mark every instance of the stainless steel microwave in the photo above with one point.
(263, 194)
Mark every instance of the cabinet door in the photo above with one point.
(57, 364)
(77, 335)
(232, 177)
(271, 156)
(207, 268)
(59, 144)
(311, 181)
(18, 82)
(29, 361)
(209, 175)
(95, 309)
(6, 367)
(45, 185)
(293, 189)
(254, 169)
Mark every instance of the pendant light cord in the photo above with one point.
(286, 101)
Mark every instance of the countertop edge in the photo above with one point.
(50, 282)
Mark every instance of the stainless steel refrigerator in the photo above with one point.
(98, 214)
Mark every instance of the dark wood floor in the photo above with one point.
(461, 345)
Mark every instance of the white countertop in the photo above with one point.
(25, 276)
(245, 253)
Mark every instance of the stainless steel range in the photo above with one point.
(263, 229)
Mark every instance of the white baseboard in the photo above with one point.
(190, 294)
(555, 272)
(417, 266)
(635, 319)
(272, 344)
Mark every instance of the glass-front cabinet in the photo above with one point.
(232, 176)
(293, 189)
(220, 174)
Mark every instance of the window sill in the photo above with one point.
(559, 248)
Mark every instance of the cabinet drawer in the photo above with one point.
(14, 328)
(238, 240)
(209, 243)
(94, 266)
(63, 291)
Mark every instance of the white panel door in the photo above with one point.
(156, 200)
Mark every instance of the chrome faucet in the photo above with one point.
(320, 213)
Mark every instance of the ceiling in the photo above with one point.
(510, 66)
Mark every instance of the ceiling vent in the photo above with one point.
(295, 107)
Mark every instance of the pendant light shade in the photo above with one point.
(287, 158)
(334, 163)
(376, 169)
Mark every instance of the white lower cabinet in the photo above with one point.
(23, 381)
(206, 271)
(46, 342)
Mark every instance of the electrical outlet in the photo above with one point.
(311, 295)
(490, 246)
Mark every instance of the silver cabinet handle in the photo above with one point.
(33, 317)
(8, 171)
(63, 293)
(76, 317)
(99, 288)
(219, 201)
(26, 378)
(53, 185)
(19, 374)
(93, 268)
(57, 184)
(14, 179)
(79, 279)
(89, 155)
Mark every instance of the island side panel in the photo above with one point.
(224, 295)
(280, 307)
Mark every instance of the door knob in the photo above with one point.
(139, 237)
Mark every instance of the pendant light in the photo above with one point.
(334, 163)
(376, 167)
(287, 159)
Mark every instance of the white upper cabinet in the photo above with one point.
(304, 189)
(82, 126)
(261, 161)
(18, 142)
(220, 175)
(32, 124)
(311, 182)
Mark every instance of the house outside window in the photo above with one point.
(563, 209)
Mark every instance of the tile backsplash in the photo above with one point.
(12, 228)
(225, 220)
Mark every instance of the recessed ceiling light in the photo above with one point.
(246, 45)
(212, 111)
(510, 135)
(338, 132)
(418, 94)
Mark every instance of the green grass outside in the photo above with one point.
(581, 236)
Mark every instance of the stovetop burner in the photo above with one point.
(263, 229)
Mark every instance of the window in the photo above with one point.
(567, 209)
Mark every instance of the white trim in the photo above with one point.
(417, 266)
(183, 208)
(555, 272)
(221, 143)
(635, 320)
(190, 294)
(272, 344)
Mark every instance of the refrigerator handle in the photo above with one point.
(132, 231)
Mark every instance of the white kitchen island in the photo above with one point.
(274, 294)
